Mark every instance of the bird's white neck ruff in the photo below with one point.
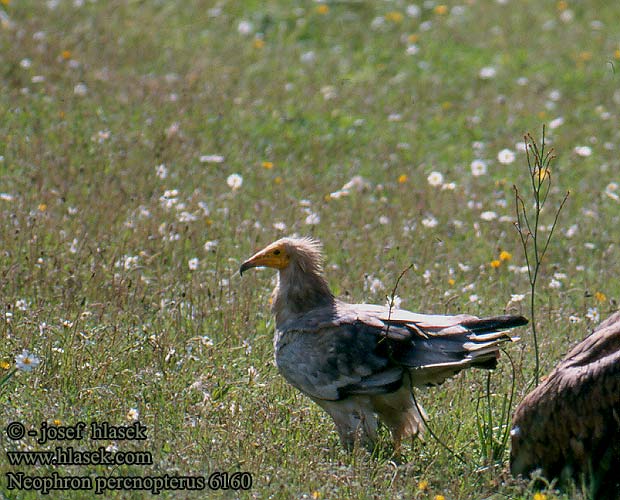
(297, 292)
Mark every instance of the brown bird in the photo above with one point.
(359, 362)
(569, 426)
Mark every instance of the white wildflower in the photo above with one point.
(487, 73)
(127, 262)
(329, 92)
(611, 191)
(26, 361)
(478, 168)
(211, 159)
(21, 304)
(583, 151)
(555, 123)
(308, 57)
(523, 81)
(506, 156)
(393, 302)
(252, 373)
(80, 89)
(313, 219)
(357, 183)
(186, 216)
(234, 181)
(161, 171)
(488, 215)
(205, 208)
(593, 314)
(435, 179)
(377, 23)
(567, 15)
(413, 10)
(373, 285)
(210, 245)
(571, 231)
(193, 264)
(429, 221)
(245, 27)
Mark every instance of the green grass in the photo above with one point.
(323, 97)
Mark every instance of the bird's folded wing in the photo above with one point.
(336, 361)
(365, 349)
(399, 324)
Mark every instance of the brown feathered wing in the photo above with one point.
(570, 424)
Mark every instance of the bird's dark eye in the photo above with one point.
(276, 252)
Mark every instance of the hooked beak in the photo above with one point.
(269, 257)
(248, 264)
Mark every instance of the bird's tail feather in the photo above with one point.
(441, 355)
(494, 324)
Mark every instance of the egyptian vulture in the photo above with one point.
(569, 426)
(359, 362)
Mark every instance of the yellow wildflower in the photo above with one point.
(542, 173)
(403, 178)
(56, 422)
(540, 496)
(413, 38)
(42, 207)
(584, 55)
(322, 9)
(495, 263)
(423, 485)
(258, 43)
(441, 9)
(504, 255)
(600, 296)
(278, 180)
(451, 282)
(316, 494)
(394, 16)
(562, 5)
(66, 54)
(617, 54)
(5, 365)
(439, 497)
(267, 164)
(5, 2)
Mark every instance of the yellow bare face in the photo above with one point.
(274, 256)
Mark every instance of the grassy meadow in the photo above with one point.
(147, 148)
